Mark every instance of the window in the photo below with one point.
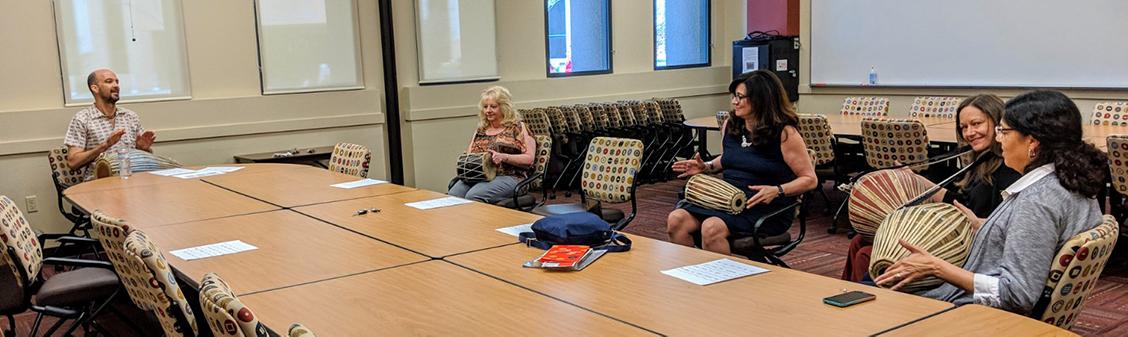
(308, 45)
(577, 37)
(456, 41)
(681, 33)
(142, 41)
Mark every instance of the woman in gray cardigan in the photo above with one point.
(1054, 200)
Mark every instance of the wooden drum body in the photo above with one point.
(476, 167)
(108, 164)
(877, 193)
(714, 193)
(938, 228)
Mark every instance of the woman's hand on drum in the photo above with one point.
(919, 264)
(976, 221)
(689, 167)
(764, 195)
(497, 157)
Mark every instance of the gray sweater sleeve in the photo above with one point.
(1027, 251)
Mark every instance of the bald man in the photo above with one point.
(103, 126)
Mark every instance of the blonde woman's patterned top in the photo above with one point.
(509, 141)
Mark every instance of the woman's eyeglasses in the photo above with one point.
(738, 96)
(1001, 130)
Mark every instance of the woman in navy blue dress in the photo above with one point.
(764, 156)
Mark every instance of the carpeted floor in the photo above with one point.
(1105, 313)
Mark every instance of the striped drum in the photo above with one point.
(876, 194)
(476, 167)
(714, 193)
(938, 228)
(107, 164)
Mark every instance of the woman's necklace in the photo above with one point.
(744, 141)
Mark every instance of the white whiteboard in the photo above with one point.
(456, 40)
(970, 43)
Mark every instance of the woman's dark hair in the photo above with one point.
(1055, 122)
(992, 106)
(771, 109)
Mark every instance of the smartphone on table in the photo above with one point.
(849, 298)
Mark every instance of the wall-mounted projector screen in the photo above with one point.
(456, 39)
(970, 43)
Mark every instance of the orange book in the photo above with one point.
(563, 256)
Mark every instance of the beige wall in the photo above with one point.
(829, 100)
(227, 114)
(439, 119)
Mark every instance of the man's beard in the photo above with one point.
(111, 98)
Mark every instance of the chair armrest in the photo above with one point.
(756, 227)
(69, 262)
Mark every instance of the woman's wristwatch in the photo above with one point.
(708, 166)
(781, 194)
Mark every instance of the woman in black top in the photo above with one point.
(979, 191)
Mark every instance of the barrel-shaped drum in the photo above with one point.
(938, 228)
(108, 164)
(877, 193)
(714, 193)
(476, 167)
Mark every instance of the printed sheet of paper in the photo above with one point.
(171, 172)
(714, 271)
(516, 230)
(436, 203)
(208, 171)
(359, 183)
(212, 250)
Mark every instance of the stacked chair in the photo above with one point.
(80, 294)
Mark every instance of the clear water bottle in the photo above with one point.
(873, 76)
(124, 169)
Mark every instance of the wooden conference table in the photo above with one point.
(978, 320)
(446, 271)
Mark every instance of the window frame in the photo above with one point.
(708, 38)
(357, 51)
(610, 52)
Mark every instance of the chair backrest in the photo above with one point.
(865, 106)
(163, 293)
(537, 122)
(654, 112)
(671, 110)
(627, 114)
(614, 116)
(63, 175)
(935, 106)
(816, 132)
(572, 118)
(225, 314)
(299, 330)
(610, 168)
(1074, 272)
(540, 161)
(559, 122)
(18, 244)
(1110, 113)
(1118, 162)
(585, 117)
(599, 114)
(134, 274)
(351, 159)
(638, 112)
(887, 142)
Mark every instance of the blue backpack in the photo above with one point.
(580, 228)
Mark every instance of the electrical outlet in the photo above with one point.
(32, 204)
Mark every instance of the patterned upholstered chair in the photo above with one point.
(1074, 272)
(935, 106)
(1110, 113)
(889, 142)
(537, 122)
(299, 330)
(609, 174)
(865, 106)
(820, 141)
(79, 294)
(225, 314)
(1118, 169)
(522, 199)
(64, 177)
(351, 159)
(146, 274)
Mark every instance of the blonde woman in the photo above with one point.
(500, 133)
